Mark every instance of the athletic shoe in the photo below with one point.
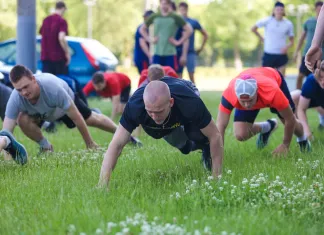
(135, 141)
(51, 127)
(206, 158)
(263, 139)
(305, 146)
(15, 149)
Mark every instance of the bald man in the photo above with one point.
(171, 110)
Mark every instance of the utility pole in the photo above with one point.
(90, 4)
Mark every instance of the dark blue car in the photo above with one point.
(87, 57)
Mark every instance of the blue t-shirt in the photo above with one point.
(195, 26)
(139, 54)
(313, 91)
(187, 108)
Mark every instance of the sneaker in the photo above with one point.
(51, 128)
(263, 139)
(135, 141)
(206, 158)
(15, 149)
(320, 127)
(305, 146)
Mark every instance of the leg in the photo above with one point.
(171, 61)
(282, 70)
(281, 63)
(30, 127)
(102, 122)
(295, 96)
(47, 67)
(180, 66)
(299, 82)
(303, 72)
(178, 139)
(244, 127)
(124, 97)
(191, 65)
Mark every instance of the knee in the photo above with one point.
(23, 119)
(241, 135)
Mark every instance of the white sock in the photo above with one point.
(321, 119)
(265, 127)
(44, 144)
(7, 140)
(300, 139)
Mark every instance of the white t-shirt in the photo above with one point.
(275, 34)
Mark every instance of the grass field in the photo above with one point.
(156, 190)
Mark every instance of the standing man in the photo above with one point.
(252, 90)
(171, 110)
(277, 30)
(55, 53)
(166, 24)
(308, 34)
(192, 53)
(142, 55)
(116, 86)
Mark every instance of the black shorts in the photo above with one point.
(274, 61)
(55, 67)
(83, 109)
(303, 69)
(250, 115)
(124, 95)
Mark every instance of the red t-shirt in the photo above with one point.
(115, 84)
(167, 70)
(269, 92)
(50, 46)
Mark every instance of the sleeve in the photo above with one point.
(142, 79)
(88, 88)
(280, 101)
(170, 72)
(150, 20)
(13, 108)
(179, 20)
(308, 88)
(305, 26)
(64, 27)
(128, 120)
(226, 104)
(62, 99)
(291, 30)
(263, 22)
(114, 85)
(197, 25)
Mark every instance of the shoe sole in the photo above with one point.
(259, 146)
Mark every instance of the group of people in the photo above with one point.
(165, 105)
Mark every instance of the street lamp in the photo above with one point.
(89, 4)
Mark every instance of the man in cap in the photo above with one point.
(252, 90)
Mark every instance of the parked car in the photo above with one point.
(87, 57)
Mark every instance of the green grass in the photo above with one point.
(56, 193)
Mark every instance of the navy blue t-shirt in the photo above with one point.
(187, 108)
(195, 26)
(313, 91)
(139, 55)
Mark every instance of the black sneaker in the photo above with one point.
(15, 149)
(51, 128)
(136, 142)
(206, 158)
(263, 139)
(305, 146)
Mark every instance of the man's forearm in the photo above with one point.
(64, 45)
(185, 34)
(217, 152)
(302, 117)
(319, 31)
(83, 129)
(289, 130)
(144, 33)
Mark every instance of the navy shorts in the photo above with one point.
(303, 69)
(274, 61)
(141, 65)
(171, 61)
(250, 115)
(124, 95)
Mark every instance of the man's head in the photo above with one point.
(158, 101)
(246, 91)
(173, 6)
(98, 81)
(24, 82)
(147, 14)
(318, 6)
(319, 74)
(165, 6)
(183, 8)
(155, 72)
(60, 7)
(279, 10)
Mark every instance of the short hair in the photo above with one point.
(155, 72)
(183, 4)
(60, 5)
(18, 72)
(174, 6)
(98, 77)
(168, 1)
(318, 4)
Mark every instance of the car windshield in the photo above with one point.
(7, 50)
(97, 49)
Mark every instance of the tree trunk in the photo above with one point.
(237, 57)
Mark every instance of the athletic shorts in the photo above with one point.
(303, 69)
(250, 115)
(5, 93)
(141, 65)
(55, 67)
(124, 95)
(171, 61)
(274, 61)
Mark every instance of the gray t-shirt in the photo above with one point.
(54, 100)
(309, 27)
(5, 93)
(275, 34)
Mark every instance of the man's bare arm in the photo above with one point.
(64, 46)
(222, 123)
(290, 122)
(301, 113)
(9, 124)
(256, 32)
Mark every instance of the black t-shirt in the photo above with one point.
(188, 108)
